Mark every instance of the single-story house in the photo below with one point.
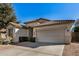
(41, 30)
(55, 31)
(15, 31)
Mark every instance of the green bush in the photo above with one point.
(76, 29)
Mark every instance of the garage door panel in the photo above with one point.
(52, 36)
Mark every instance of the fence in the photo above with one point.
(75, 36)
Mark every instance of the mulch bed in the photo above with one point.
(71, 49)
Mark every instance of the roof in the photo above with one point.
(2, 30)
(55, 22)
(63, 20)
(15, 24)
(37, 20)
(76, 22)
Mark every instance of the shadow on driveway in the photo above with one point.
(36, 45)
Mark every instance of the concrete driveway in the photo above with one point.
(31, 49)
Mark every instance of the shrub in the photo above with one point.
(76, 29)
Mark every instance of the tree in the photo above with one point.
(6, 14)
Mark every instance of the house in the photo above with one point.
(55, 31)
(15, 31)
(41, 30)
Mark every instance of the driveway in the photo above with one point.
(31, 49)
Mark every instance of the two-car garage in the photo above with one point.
(51, 34)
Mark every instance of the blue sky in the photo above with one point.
(52, 11)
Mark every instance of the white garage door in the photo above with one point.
(51, 35)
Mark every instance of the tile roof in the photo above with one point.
(15, 24)
(55, 22)
(37, 20)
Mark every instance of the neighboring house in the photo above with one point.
(75, 24)
(42, 30)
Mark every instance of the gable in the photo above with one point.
(15, 25)
(10, 26)
(37, 20)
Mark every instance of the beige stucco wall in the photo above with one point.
(68, 37)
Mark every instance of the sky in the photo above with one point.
(52, 11)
